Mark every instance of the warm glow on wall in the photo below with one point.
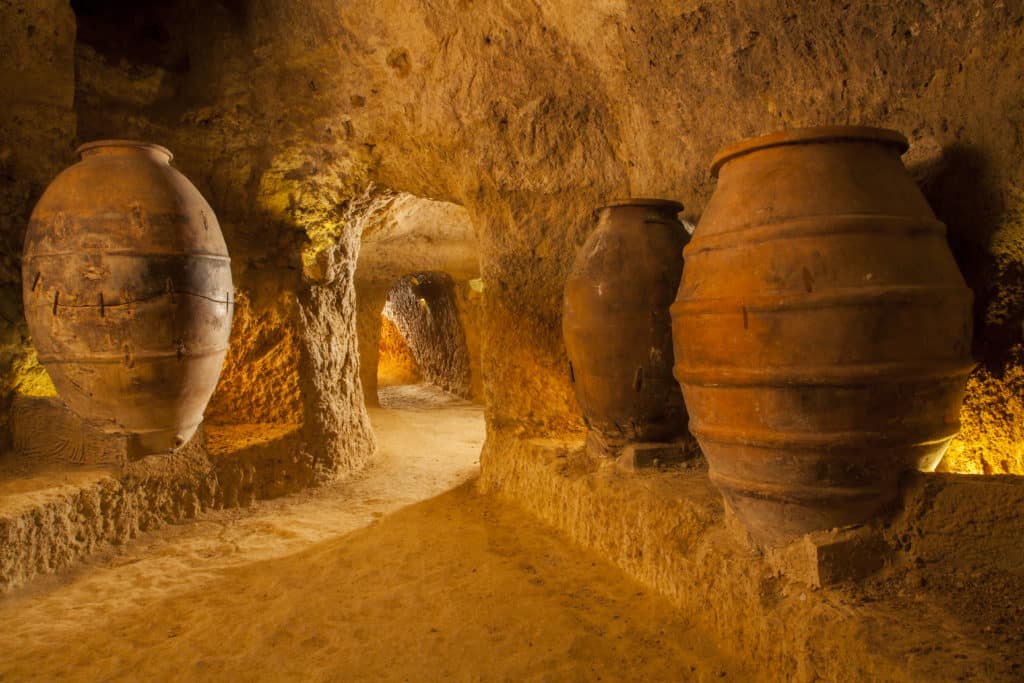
(30, 378)
(991, 439)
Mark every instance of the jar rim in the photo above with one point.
(138, 144)
(804, 136)
(646, 201)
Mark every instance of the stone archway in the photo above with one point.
(431, 247)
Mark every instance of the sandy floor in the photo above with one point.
(354, 583)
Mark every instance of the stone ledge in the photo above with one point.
(71, 489)
(50, 518)
(670, 531)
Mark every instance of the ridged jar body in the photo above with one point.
(822, 330)
(128, 292)
(617, 328)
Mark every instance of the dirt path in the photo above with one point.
(344, 585)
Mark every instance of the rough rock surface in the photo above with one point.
(37, 131)
(370, 300)
(397, 365)
(260, 379)
(991, 437)
(50, 530)
(338, 435)
(401, 233)
(469, 300)
(46, 431)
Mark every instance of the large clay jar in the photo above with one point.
(128, 293)
(617, 329)
(822, 329)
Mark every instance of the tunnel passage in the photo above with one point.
(403, 236)
(421, 309)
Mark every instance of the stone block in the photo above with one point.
(827, 558)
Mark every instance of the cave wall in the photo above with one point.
(423, 308)
(260, 379)
(397, 365)
(531, 114)
(370, 300)
(37, 126)
(155, 71)
(528, 115)
(469, 303)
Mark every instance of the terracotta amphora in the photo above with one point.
(128, 292)
(617, 328)
(822, 330)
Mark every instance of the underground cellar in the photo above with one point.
(498, 341)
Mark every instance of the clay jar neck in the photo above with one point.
(806, 136)
(666, 210)
(111, 148)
